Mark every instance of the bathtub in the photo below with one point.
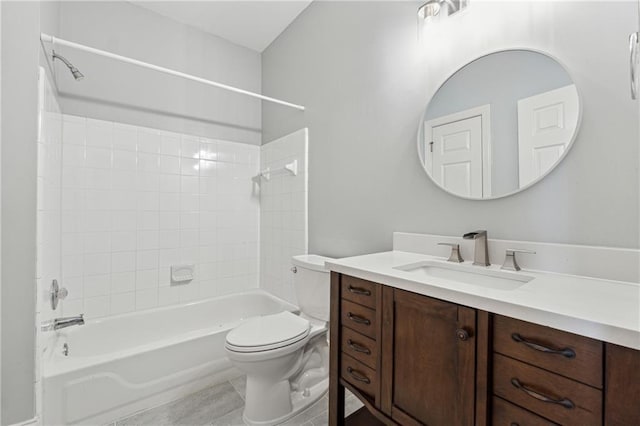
(123, 364)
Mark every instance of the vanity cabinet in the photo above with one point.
(415, 360)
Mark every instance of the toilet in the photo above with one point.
(286, 356)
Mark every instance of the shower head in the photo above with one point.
(74, 71)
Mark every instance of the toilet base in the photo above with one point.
(299, 403)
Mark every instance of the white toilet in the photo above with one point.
(286, 356)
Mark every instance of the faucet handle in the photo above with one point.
(510, 262)
(455, 252)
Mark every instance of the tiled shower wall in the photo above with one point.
(137, 200)
(283, 220)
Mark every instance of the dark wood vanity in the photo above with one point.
(415, 360)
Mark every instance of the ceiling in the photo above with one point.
(253, 24)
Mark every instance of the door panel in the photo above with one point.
(546, 124)
(457, 156)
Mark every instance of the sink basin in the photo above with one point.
(467, 274)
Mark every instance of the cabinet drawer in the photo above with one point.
(552, 396)
(359, 375)
(358, 290)
(358, 318)
(568, 354)
(507, 414)
(360, 347)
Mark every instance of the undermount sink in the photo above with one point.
(467, 274)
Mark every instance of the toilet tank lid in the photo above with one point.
(311, 261)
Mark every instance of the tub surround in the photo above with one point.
(594, 307)
(137, 200)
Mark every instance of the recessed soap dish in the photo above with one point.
(182, 273)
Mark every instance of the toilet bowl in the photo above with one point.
(286, 356)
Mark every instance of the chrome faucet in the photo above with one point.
(481, 250)
(58, 323)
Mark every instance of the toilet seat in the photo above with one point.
(267, 333)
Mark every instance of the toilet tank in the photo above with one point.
(311, 281)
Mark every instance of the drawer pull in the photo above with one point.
(360, 291)
(567, 353)
(358, 376)
(358, 319)
(566, 403)
(358, 348)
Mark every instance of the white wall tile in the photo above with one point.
(148, 162)
(189, 166)
(169, 164)
(124, 160)
(170, 144)
(97, 157)
(146, 299)
(123, 282)
(149, 141)
(99, 133)
(208, 149)
(125, 137)
(96, 264)
(96, 307)
(97, 285)
(122, 303)
(123, 261)
(190, 147)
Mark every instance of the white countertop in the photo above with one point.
(601, 309)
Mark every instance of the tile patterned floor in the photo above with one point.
(222, 405)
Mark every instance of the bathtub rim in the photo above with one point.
(55, 364)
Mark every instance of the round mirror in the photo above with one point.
(499, 124)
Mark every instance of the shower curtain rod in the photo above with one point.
(54, 40)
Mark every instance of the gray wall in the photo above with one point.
(121, 92)
(499, 80)
(365, 80)
(20, 29)
(21, 25)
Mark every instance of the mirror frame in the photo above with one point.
(530, 184)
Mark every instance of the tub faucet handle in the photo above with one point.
(57, 293)
(454, 256)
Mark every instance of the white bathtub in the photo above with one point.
(120, 365)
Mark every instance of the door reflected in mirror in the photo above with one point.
(499, 124)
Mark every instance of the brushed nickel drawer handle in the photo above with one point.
(565, 402)
(566, 352)
(358, 319)
(360, 291)
(358, 375)
(358, 348)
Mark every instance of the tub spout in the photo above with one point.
(59, 323)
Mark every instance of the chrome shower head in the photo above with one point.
(74, 71)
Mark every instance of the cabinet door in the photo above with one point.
(429, 348)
